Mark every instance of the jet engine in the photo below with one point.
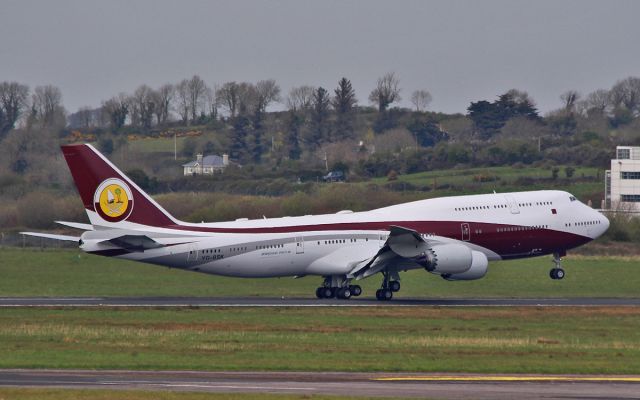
(448, 259)
(477, 270)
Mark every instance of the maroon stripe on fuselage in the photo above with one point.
(509, 241)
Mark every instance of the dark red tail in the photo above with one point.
(109, 197)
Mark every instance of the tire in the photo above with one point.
(559, 273)
(344, 293)
(328, 293)
(356, 290)
(394, 286)
(387, 294)
(319, 293)
(379, 294)
(552, 274)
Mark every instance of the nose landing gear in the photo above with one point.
(557, 272)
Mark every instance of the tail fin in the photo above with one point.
(109, 197)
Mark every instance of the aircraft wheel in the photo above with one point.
(394, 286)
(552, 273)
(328, 293)
(319, 293)
(559, 273)
(344, 293)
(356, 290)
(384, 294)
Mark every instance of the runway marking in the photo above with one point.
(626, 379)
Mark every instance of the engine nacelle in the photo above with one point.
(478, 269)
(448, 259)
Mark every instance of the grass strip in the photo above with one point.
(560, 340)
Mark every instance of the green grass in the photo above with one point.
(603, 340)
(99, 394)
(33, 272)
(463, 181)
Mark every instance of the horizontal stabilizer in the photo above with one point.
(76, 225)
(134, 242)
(51, 236)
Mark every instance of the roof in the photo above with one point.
(207, 161)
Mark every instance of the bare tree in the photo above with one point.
(300, 98)
(47, 105)
(85, 117)
(570, 98)
(421, 99)
(212, 102)
(597, 100)
(196, 91)
(386, 92)
(626, 93)
(162, 99)
(182, 100)
(247, 98)
(142, 107)
(229, 95)
(13, 101)
(267, 92)
(116, 110)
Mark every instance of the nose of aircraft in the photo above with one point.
(604, 224)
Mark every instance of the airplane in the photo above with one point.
(454, 237)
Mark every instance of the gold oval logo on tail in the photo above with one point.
(113, 200)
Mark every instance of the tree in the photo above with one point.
(47, 105)
(162, 99)
(142, 107)
(213, 102)
(421, 99)
(597, 101)
(319, 116)
(488, 118)
(182, 100)
(267, 92)
(116, 109)
(196, 90)
(626, 93)
(300, 98)
(386, 92)
(13, 101)
(570, 99)
(345, 97)
(229, 95)
(343, 103)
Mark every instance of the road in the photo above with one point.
(300, 302)
(456, 386)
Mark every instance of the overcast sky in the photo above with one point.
(461, 51)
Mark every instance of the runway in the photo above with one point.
(449, 386)
(304, 302)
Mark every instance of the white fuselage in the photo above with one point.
(512, 225)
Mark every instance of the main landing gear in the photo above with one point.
(389, 286)
(337, 287)
(557, 272)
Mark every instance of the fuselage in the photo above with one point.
(501, 226)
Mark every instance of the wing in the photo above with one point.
(137, 243)
(51, 236)
(404, 249)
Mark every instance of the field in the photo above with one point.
(585, 181)
(33, 272)
(67, 394)
(560, 340)
(554, 340)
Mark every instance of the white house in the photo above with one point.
(208, 165)
(622, 181)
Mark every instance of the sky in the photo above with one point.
(460, 51)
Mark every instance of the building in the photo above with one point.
(622, 181)
(208, 165)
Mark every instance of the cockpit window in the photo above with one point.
(572, 198)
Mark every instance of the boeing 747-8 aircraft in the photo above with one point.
(454, 237)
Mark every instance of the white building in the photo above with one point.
(622, 181)
(208, 165)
